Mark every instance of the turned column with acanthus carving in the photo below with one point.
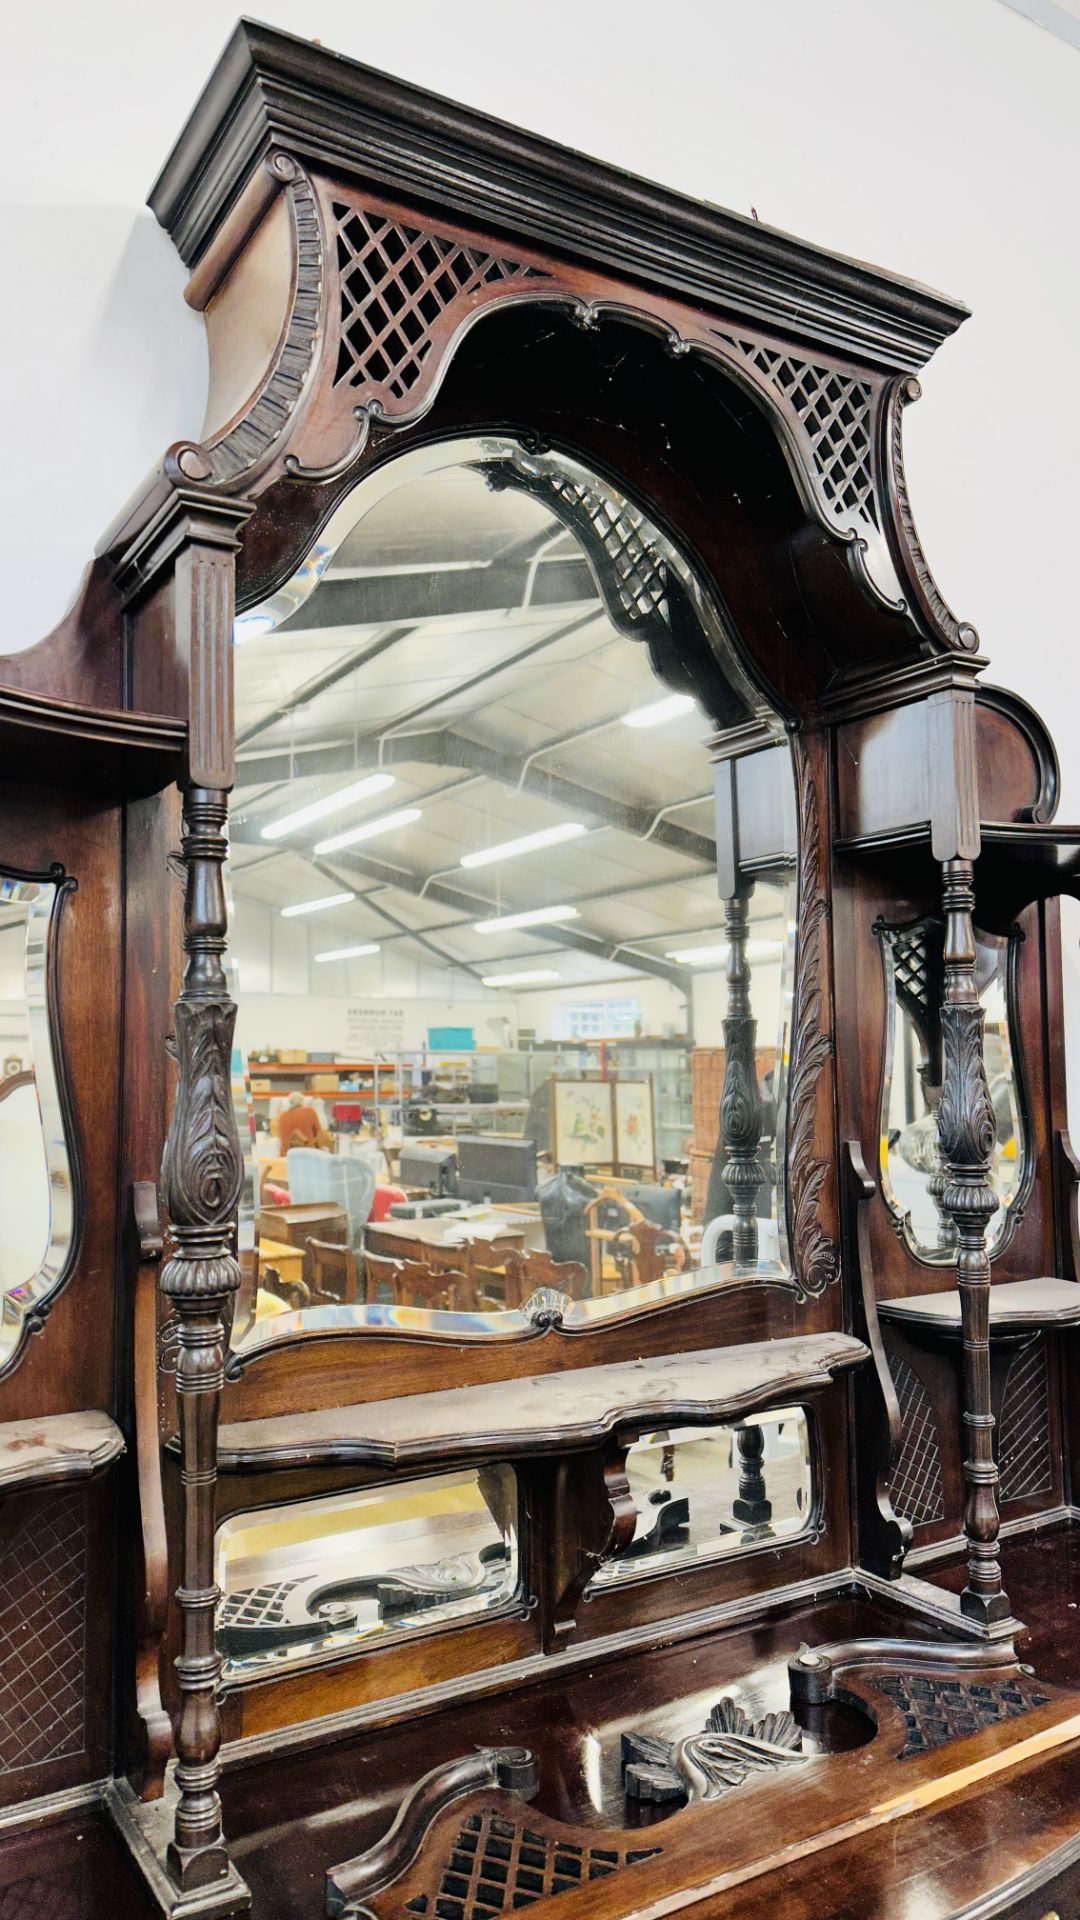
(967, 1133)
(183, 561)
(201, 1179)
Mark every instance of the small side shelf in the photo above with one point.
(544, 1413)
(62, 1446)
(1016, 1306)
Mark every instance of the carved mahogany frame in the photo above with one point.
(476, 222)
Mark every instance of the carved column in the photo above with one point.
(201, 1178)
(967, 1130)
(740, 1101)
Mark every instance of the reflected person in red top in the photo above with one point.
(297, 1125)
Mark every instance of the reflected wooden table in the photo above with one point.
(457, 1241)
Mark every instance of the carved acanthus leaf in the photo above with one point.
(713, 1762)
(815, 1255)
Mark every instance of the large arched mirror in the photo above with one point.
(36, 1172)
(510, 1018)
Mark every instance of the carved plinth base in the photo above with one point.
(146, 1828)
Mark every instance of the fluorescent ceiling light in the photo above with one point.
(519, 979)
(330, 803)
(368, 829)
(536, 917)
(509, 849)
(248, 626)
(316, 906)
(714, 956)
(658, 711)
(349, 953)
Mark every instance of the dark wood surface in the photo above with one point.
(291, 1819)
(63, 1446)
(535, 1414)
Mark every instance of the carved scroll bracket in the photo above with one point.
(911, 562)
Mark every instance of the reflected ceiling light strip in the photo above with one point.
(713, 956)
(368, 829)
(520, 979)
(316, 906)
(528, 843)
(330, 803)
(349, 953)
(658, 711)
(535, 917)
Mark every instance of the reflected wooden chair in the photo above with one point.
(335, 1273)
(607, 1215)
(525, 1273)
(644, 1252)
(412, 1283)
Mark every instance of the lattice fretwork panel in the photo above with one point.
(937, 1711)
(43, 1635)
(914, 971)
(396, 282)
(256, 1606)
(1024, 1434)
(917, 1493)
(639, 572)
(495, 1866)
(833, 410)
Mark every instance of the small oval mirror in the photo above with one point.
(36, 1169)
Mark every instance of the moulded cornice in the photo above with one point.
(272, 89)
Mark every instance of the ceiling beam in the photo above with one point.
(442, 747)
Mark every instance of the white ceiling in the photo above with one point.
(540, 682)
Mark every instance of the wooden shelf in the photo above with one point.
(1020, 862)
(297, 1068)
(61, 1446)
(547, 1412)
(1014, 1304)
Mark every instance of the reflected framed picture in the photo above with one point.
(582, 1123)
(635, 1124)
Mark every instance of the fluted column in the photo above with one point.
(968, 1131)
(201, 1179)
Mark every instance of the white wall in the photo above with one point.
(940, 138)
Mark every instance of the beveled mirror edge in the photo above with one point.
(47, 1286)
(547, 1313)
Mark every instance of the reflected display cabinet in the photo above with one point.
(541, 606)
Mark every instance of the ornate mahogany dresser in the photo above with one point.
(637, 1563)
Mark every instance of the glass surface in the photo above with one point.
(480, 953)
(35, 1171)
(322, 1575)
(703, 1493)
(911, 1163)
